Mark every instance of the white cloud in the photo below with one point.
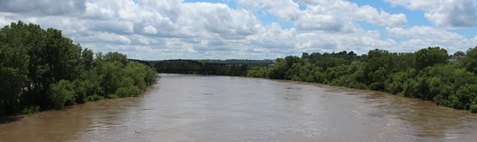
(382, 18)
(425, 36)
(44, 7)
(360, 41)
(149, 30)
(326, 15)
(159, 29)
(4, 21)
(119, 27)
(217, 20)
(444, 13)
(273, 36)
(323, 17)
(284, 9)
(102, 37)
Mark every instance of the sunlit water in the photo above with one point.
(214, 108)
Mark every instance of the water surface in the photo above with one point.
(216, 108)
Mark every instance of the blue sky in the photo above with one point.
(416, 17)
(226, 29)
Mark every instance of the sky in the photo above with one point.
(251, 29)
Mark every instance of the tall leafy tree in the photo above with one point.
(469, 62)
(13, 67)
(116, 56)
(430, 56)
(41, 69)
(459, 53)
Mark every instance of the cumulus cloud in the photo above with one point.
(360, 41)
(284, 9)
(326, 15)
(161, 29)
(382, 18)
(444, 13)
(149, 30)
(217, 19)
(425, 36)
(43, 7)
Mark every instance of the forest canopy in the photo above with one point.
(426, 73)
(41, 69)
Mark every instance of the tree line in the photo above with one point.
(40, 70)
(426, 73)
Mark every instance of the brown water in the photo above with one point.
(211, 108)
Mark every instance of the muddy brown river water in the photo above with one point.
(216, 108)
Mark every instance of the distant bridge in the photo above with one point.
(204, 66)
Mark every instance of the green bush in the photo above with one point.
(128, 91)
(61, 94)
(113, 96)
(473, 108)
(30, 110)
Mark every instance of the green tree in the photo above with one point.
(281, 66)
(395, 82)
(109, 74)
(330, 62)
(459, 53)
(61, 94)
(379, 61)
(466, 96)
(87, 59)
(430, 56)
(137, 73)
(13, 68)
(116, 56)
(41, 69)
(469, 62)
(256, 71)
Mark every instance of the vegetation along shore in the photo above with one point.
(40, 70)
(430, 73)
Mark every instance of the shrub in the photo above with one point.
(30, 110)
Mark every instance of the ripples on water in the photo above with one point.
(214, 108)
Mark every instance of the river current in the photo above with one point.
(219, 108)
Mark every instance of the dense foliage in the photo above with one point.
(425, 74)
(40, 69)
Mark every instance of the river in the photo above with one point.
(217, 108)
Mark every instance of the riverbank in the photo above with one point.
(15, 118)
(220, 108)
(33, 81)
(425, 74)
